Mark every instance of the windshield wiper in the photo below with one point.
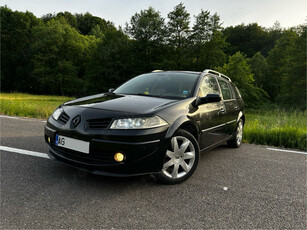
(143, 94)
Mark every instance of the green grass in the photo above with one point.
(27, 105)
(276, 128)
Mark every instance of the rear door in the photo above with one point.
(231, 107)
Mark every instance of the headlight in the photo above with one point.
(138, 123)
(57, 113)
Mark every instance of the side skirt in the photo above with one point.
(216, 144)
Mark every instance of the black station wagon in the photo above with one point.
(156, 123)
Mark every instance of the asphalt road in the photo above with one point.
(265, 189)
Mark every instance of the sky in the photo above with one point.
(232, 12)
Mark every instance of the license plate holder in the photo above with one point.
(72, 143)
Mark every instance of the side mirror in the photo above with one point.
(111, 90)
(209, 98)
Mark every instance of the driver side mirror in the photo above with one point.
(111, 90)
(209, 98)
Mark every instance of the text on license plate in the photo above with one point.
(73, 144)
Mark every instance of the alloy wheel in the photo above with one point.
(239, 135)
(180, 158)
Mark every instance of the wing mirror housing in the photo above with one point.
(209, 98)
(111, 90)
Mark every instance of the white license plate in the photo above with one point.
(73, 144)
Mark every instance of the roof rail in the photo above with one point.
(216, 73)
(156, 70)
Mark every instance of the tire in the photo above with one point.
(181, 158)
(238, 136)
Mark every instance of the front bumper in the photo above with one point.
(144, 149)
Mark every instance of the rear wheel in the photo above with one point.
(181, 158)
(237, 140)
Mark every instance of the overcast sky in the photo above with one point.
(232, 12)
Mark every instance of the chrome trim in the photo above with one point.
(229, 122)
(218, 126)
(204, 130)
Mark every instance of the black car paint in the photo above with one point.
(210, 123)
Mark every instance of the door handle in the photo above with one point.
(222, 110)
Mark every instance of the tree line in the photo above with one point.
(81, 54)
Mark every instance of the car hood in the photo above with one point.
(132, 104)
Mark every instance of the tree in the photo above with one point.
(86, 22)
(59, 56)
(214, 55)
(208, 42)
(148, 29)
(16, 38)
(276, 61)
(240, 73)
(248, 39)
(178, 27)
(110, 63)
(71, 19)
(260, 70)
(293, 85)
(215, 22)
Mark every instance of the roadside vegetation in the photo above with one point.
(277, 127)
(27, 105)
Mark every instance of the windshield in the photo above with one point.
(165, 84)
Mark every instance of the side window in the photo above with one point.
(208, 85)
(225, 90)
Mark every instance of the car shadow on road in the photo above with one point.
(74, 175)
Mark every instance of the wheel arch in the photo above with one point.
(184, 123)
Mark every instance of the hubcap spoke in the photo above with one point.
(184, 146)
(188, 155)
(185, 166)
(175, 171)
(170, 154)
(175, 144)
(168, 164)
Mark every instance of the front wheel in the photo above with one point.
(181, 158)
(237, 140)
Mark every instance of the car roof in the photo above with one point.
(176, 71)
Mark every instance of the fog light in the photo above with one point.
(49, 139)
(119, 157)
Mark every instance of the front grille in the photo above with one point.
(99, 123)
(63, 118)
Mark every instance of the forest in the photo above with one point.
(81, 54)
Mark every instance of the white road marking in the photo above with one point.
(289, 151)
(25, 152)
(22, 118)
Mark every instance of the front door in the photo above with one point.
(212, 115)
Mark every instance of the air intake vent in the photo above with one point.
(99, 123)
(63, 118)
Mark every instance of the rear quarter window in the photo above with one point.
(236, 91)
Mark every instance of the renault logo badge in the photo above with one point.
(76, 121)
